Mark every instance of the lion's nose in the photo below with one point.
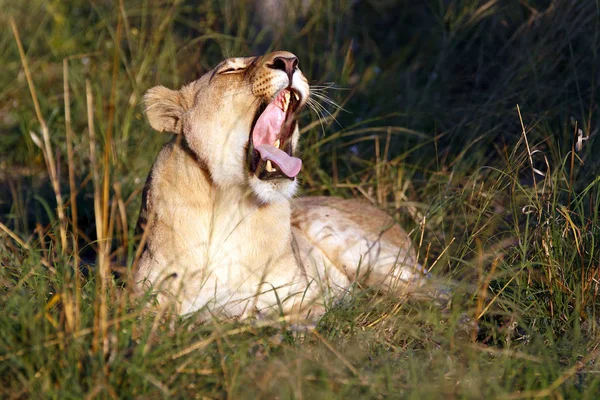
(286, 63)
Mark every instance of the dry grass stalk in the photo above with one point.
(378, 174)
(528, 150)
(122, 209)
(73, 317)
(104, 239)
(97, 202)
(47, 149)
(23, 244)
(14, 236)
(482, 293)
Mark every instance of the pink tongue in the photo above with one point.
(269, 123)
(266, 132)
(288, 165)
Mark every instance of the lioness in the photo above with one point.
(223, 233)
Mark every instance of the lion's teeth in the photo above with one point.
(270, 166)
(276, 144)
(296, 96)
(286, 100)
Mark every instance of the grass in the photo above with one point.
(462, 121)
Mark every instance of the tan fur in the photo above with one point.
(221, 240)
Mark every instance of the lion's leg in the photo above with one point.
(325, 283)
(368, 260)
(379, 264)
(361, 241)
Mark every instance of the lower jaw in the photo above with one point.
(269, 176)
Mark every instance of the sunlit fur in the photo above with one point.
(221, 240)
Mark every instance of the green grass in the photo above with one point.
(505, 213)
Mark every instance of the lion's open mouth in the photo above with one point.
(270, 142)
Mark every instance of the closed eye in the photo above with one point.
(231, 70)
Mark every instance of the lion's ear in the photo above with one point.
(165, 108)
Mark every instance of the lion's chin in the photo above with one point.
(272, 191)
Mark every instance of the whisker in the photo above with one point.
(326, 86)
(331, 115)
(316, 107)
(328, 100)
(320, 111)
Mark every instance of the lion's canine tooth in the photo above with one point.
(296, 96)
(276, 144)
(270, 166)
(286, 100)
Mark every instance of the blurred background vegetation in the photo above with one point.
(447, 75)
(429, 130)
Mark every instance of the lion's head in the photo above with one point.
(240, 121)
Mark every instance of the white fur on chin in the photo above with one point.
(273, 191)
